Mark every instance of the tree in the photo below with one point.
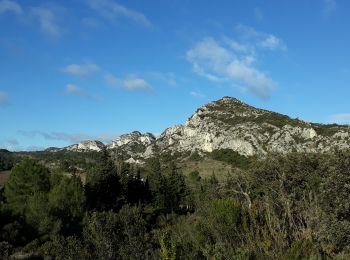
(102, 234)
(27, 178)
(67, 203)
(103, 187)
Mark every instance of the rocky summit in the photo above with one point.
(86, 146)
(229, 123)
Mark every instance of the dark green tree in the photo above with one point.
(103, 187)
(67, 203)
(27, 179)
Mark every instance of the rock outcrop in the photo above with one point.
(131, 146)
(228, 123)
(86, 146)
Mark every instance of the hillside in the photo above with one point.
(227, 123)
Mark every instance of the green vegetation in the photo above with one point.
(329, 130)
(231, 157)
(7, 160)
(293, 206)
(232, 115)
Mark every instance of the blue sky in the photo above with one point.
(94, 69)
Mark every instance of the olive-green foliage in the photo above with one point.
(329, 130)
(231, 157)
(102, 232)
(103, 187)
(64, 248)
(66, 159)
(27, 179)
(7, 160)
(67, 203)
(112, 235)
(302, 249)
(333, 226)
(293, 206)
(168, 191)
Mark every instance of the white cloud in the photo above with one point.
(167, 78)
(238, 46)
(10, 6)
(234, 61)
(256, 39)
(272, 42)
(219, 61)
(112, 11)
(4, 99)
(112, 80)
(82, 70)
(329, 7)
(48, 21)
(69, 137)
(131, 83)
(135, 84)
(74, 90)
(246, 32)
(197, 94)
(340, 118)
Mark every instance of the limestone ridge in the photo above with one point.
(232, 124)
(86, 146)
(131, 147)
(125, 146)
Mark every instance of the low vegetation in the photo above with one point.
(293, 206)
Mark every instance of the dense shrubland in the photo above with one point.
(294, 206)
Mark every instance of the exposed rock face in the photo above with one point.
(86, 146)
(131, 146)
(134, 138)
(228, 123)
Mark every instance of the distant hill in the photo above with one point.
(227, 123)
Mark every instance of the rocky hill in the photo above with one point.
(228, 123)
(85, 146)
(131, 147)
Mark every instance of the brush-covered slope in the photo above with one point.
(229, 123)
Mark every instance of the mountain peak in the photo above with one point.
(88, 145)
(227, 99)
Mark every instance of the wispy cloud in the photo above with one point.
(131, 83)
(215, 62)
(256, 39)
(272, 42)
(74, 90)
(82, 70)
(167, 78)
(4, 99)
(10, 144)
(329, 7)
(10, 141)
(69, 137)
(258, 14)
(340, 118)
(197, 94)
(233, 61)
(48, 21)
(113, 11)
(10, 6)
